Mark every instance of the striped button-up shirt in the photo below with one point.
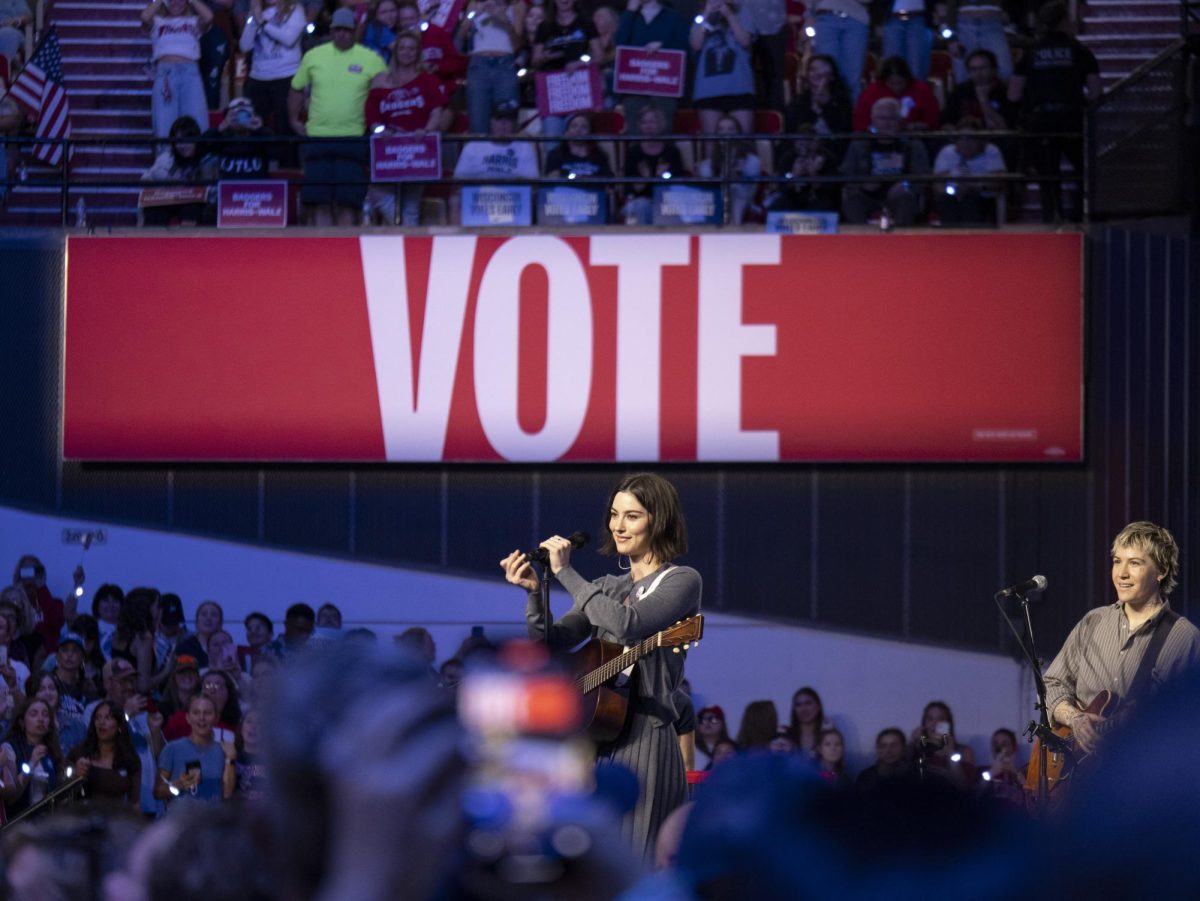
(1102, 653)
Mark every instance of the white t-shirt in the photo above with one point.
(175, 36)
(275, 45)
(950, 162)
(483, 159)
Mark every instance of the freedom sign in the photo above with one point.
(569, 91)
(406, 157)
(252, 204)
(658, 73)
(609, 347)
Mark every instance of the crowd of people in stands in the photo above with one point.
(342, 771)
(871, 142)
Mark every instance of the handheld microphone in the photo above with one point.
(1037, 583)
(541, 555)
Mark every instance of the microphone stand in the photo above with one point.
(545, 586)
(1041, 729)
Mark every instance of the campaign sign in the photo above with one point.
(802, 222)
(569, 91)
(172, 195)
(658, 73)
(497, 205)
(406, 157)
(443, 13)
(252, 204)
(572, 206)
(687, 205)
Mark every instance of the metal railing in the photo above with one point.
(66, 794)
(70, 188)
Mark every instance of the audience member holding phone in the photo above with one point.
(197, 765)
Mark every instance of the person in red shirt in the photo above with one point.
(918, 105)
(439, 56)
(404, 100)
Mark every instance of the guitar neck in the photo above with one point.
(601, 674)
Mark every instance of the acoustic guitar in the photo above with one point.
(1061, 765)
(599, 662)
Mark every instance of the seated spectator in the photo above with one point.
(885, 153)
(733, 160)
(243, 158)
(492, 31)
(378, 31)
(106, 760)
(564, 40)
(298, 624)
(329, 617)
(918, 106)
(891, 760)
(759, 726)
(710, 729)
(181, 161)
(808, 721)
(651, 25)
(831, 758)
(968, 202)
(259, 632)
(31, 763)
(175, 27)
(403, 100)
(15, 17)
(439, 56)
(724, 74)
(1003, 780)
(822, 102)
(577, 157)
(653, 158)
(806, 157)
(197, 765)
(182, 685)
(210, 619)
(501, 157)
(417, 642)
(984, 96)
(338, 76)
(272, 37)
(782, 742)
(605, 19)
(450, 674)
(723, 750)
(935, 747)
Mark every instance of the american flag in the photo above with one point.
(39, 88)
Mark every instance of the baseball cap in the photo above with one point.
(342, 18)
(170, 607)
(506, 109)
(240, 103)
(68, 637)
(118, 668)
(186, 661)
(713, 709)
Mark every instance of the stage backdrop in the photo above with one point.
(940, 347)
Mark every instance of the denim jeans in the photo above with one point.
(983, 32)
(490, 80)
(911, 40)
(844, 39)
(178, 91)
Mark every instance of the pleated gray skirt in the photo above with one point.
(651, 751)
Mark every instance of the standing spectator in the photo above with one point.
(244, 157)
(807, 721)
(15, 17)
(378, 31)
(891, 759)
(980, 26)
(842, 30)
(298, 625)
(328, 615)
(45, 686)
(934, 740)
(134, 638)
(8, 706)
(222, 690)
(822, 102)
(75, 689)
(169, 632)
(724, 82)
(339, 75)
(49, 614)
(1053, 82)
(651, 158)
(605, 20)
(259, 632)
(210, 617)
(175, 48)
(652, 26)
(439, 56)
(765, 22)
(106, 760)
(1003, 780)
(968, 202)
(106, 608)
(197, 765)
(182, 686)
(711, 729)
(885, 153)
(272, 38)
(26, 644)
(491, 30)
(251, 774)
(831, 758)
(31, 758)
(919, 110)
(759, 726)
(84, 625)
(13, 672)
(564, 39)
(735, 161)
(908, 34)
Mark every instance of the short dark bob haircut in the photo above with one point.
(668, 531)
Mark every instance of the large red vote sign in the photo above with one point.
(631, 347)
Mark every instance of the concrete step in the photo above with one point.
(81, 65)
(118, 25)
(111, 98)
(121, 120)
(99, 45)
(1157, 39)
(77, 12)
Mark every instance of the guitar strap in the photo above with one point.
(1140, 685)
(641, 593)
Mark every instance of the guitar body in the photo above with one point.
(1060, 766)
(604, 708)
